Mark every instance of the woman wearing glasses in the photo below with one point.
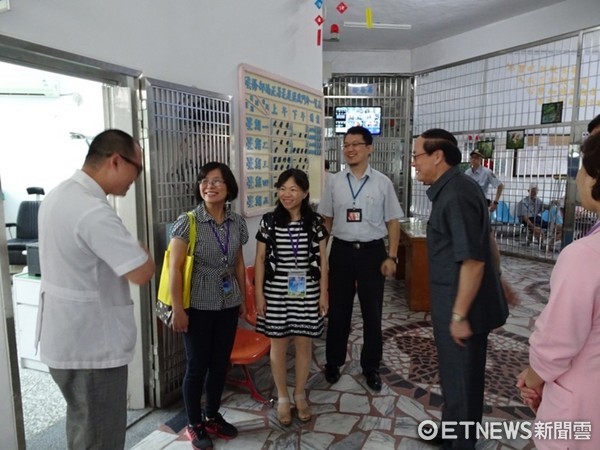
(217, 299)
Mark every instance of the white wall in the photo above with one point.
(368, 62)
(191, 42)
(564, 17)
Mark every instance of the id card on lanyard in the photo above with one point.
(226, 277)
(296, 281)
(354, 214)
(227, 283)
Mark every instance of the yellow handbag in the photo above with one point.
(164, 309)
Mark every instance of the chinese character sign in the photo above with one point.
(281, 128)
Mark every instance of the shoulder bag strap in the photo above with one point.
(192, 239)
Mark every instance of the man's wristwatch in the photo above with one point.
(393, 258)
(457, 318)
(495, 202)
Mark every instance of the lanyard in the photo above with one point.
(224, 246)
(295, 245)
(354, 196)
(594, 228)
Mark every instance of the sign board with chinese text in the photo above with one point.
(281, 127)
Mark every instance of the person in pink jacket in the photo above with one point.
(561, 384)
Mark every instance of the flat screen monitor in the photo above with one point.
(351, 116)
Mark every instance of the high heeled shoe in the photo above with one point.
(284, 411)
(304, 412)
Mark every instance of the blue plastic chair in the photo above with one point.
(554, 215)
(502, 215)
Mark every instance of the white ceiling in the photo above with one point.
(431, 20)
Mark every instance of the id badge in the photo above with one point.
(297, 283)
(227, 282)
(354, 215)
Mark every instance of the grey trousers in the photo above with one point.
(96, 406)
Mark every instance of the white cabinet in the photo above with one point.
(26, 300)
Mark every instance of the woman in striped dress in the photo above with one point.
(291, 286)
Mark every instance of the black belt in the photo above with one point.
(357, 245)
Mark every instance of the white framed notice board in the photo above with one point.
(281, 127)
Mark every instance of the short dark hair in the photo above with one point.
(591, 162)
(366, 134)
(594, 123)
(439, 139)
(232, 186)
(109, 142)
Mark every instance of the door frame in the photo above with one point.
(27, 54)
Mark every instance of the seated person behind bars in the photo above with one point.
(529, 212)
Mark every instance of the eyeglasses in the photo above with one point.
(414, 157)
(353, 145)
(137, 166)
(214, 182)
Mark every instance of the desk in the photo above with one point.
(26, 296)
(413, 265)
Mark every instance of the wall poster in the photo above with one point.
(281, 125)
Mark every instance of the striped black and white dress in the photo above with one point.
(289, 316)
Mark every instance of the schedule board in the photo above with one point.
(281, 127)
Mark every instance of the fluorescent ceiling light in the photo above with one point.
(384, 26)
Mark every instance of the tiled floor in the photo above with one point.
(348, 415)
(37, 388)
(511, 241)
(44, 413)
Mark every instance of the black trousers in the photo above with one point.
(352, 269)
(208, 344)
(462, 377)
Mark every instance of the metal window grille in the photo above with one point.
(184, 128)
(546, 93)
(394, 94)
